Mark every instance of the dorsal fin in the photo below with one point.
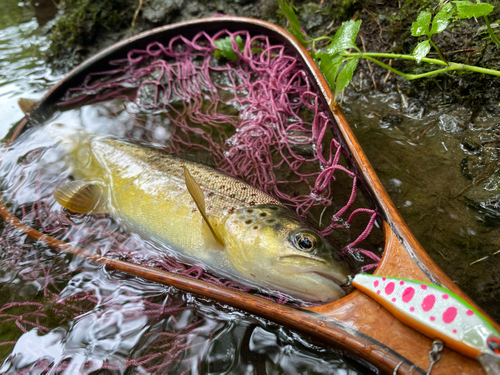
(199, 198)
(26, 105)
(80, 196)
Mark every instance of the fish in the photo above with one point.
(200, 214)
(436, 312)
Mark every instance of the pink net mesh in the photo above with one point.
(279, 131)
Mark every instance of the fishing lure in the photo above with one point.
(436, 312)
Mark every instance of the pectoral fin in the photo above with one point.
(199, 198)
(81, 197)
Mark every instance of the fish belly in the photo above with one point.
(147, 195)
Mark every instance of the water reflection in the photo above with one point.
(22, 71)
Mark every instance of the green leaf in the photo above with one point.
(344, 38)
(225, 47)
(442, 19)
(421, 50)
(330, 67)
(239, 42)
(466, 9)
(421, 25)
(345, 76)
(294, 22)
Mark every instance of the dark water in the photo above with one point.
(439, 164)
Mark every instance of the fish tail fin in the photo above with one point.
(81, 196)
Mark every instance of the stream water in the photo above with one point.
(417, 150)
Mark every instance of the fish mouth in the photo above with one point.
(319, 266)
(342, 282)
(308, 257)
(320, 270)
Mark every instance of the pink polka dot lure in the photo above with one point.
(435, 312)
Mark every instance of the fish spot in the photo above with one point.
(401, 283)
(263, 214)
(393, 300)
(378, 291)
(389, 288)
(412, 308)
(470, 312)
(432, 318)
(383, 279)
(423, 286)
(270, 221)
(408, 294)
(375, 284)
(454, 331)
(273, 208)
(255, 227)
(250, 211)
(445, 296)
(248, 222)
(449, 315)
(211, 194)
(428, 302)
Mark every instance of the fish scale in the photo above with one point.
(223, 193)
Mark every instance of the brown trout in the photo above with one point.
(202, 214)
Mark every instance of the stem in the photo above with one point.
(392, 56)
(441, 56)
(490, 31)
(450, 67)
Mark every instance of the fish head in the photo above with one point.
(272, 246)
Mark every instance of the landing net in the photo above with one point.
(256, 118)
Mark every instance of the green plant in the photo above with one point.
(225, 48)
(338, 62)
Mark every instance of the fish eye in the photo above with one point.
(305, 242)
(494, 344)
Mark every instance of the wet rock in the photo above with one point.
(486, 202)
(159, 11)
(451, 123)
(465, 169)
(391, 120)
(470, 144)
(195, 8)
